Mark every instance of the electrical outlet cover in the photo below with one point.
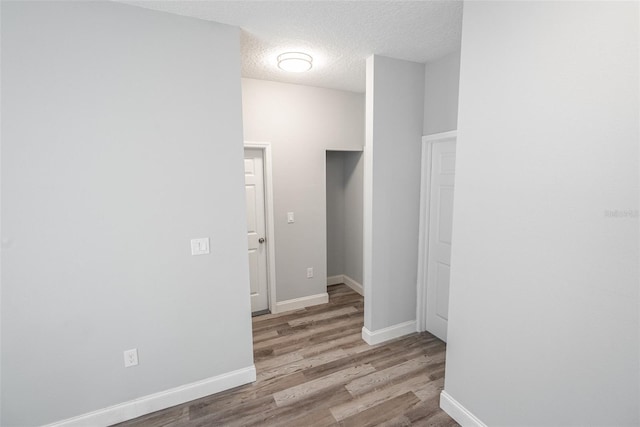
(130, 358)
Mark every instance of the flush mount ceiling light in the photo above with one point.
(295, 62)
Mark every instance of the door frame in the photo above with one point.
(269, 219)
(423, 234)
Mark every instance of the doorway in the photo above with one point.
(260, 230)
(344, 204)
(436, 224)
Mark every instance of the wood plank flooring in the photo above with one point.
(313, 369)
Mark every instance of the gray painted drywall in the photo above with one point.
(344, 213)
(353, 205)
(394, 120)
(441, 94)
(543, 315)
(121, 141)
(301, 123)
(335, 213)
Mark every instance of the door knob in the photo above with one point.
(261, 240)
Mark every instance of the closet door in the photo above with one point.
(436, 227)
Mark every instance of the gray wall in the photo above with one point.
(353, 215)
(395, 104)
(121, 141)
(301, 122)
(441, 85)
(335, 213)
(344, 213)
(543, 318)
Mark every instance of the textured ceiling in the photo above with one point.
(339, 35)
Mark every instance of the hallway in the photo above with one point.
(313, 369)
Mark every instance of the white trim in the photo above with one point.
(440, 136)
(423, 233)
(357, 287)
(458, 412)
(423, 241)
(389, 333)
(367, 197)
(343, 278)
(335, 280)
(269, 218)
(298, 303)
(353, 150)
(162, 400)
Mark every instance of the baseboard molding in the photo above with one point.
(162, 400)
(389, 333)
(357, 287)
(458, 412)
(298, 303)
(335, 280)
(343, 278)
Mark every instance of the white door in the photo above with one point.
(254, 190)
(443, 161)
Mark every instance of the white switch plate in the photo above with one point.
(130, 358)
(309, 272)
(290, 219)
(200, 246)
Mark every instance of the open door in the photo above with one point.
(439, 159)
(256, 228)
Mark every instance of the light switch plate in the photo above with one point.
(290, 218)
(200, 246)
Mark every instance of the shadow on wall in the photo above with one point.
(344, 218)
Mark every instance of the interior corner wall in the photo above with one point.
(335, 213)
(543, 309)
(344, 214)
(121, 141)
(353, 214)
(441, 85)
(394, 126)
(301, 123)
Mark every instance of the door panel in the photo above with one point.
(442, 291)
(445, 214)
(254, 271)
(256, 228)
(440, 228)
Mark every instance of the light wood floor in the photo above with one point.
(314, 370)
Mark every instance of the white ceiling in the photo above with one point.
(339, 35)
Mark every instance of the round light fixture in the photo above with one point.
(295, 62)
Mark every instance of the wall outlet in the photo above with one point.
(309, 272)
(130, 358)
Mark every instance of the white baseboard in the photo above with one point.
(162, 400)
(357, 287)
(335, 280)
(458, 412)
(298, 303)
(389, 333)
(343, 278)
